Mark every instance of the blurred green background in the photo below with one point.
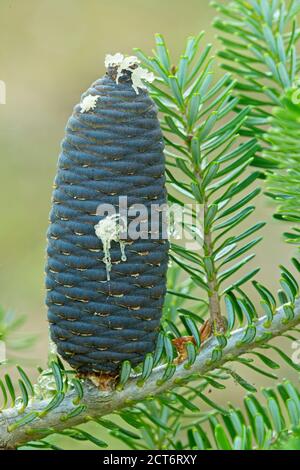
(51, 51)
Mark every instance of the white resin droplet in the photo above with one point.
(108, 230)
(139, 75)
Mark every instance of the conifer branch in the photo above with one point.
(98, 403)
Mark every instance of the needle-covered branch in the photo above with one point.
(100, 403)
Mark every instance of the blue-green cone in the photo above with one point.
(100, 315)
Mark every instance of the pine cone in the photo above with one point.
(102, 313)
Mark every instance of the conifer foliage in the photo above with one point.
(226, 140)
(260, 41)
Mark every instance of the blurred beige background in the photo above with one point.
(51, 51)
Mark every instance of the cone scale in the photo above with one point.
(101, 315)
